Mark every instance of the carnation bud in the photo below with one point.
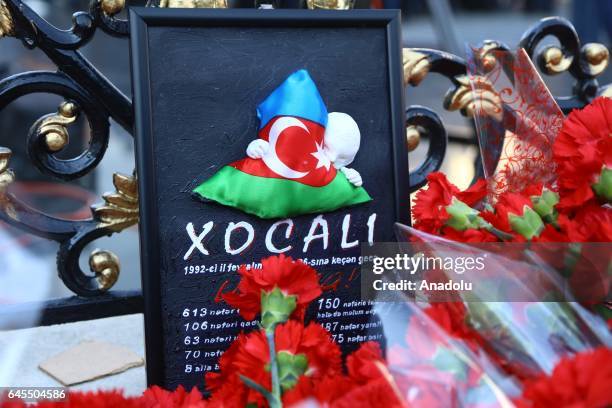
(462, 216)
(544, 205)
(529, 225)
(603, 187)
(276, 307)
(290, 368)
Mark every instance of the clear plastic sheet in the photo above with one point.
(517, 119)
(431, 368)
(525, 337)
(15, 249)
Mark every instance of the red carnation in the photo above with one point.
(297, 283)
(375, 386)
(369, 383)
(584, 380)
(510, 204)
(159, 398)
(91, 399)
(430, 206)
(234, 393)
(323, 354)
(324, 391)
(249, 356)
(514, 213)
(423, 338)
(592, 223)
(375, 393)
(582, 150)
(469, 235)
(551, 234)
(452, 318)
(362, 364)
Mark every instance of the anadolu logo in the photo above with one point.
(298, 165)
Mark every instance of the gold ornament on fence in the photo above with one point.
(6, 175)
(416, 66)
(54, 127)
(193, 3)
(6, 21)
(413, 137)
(331, 4)
(120, 209)
(106, 267)
(112, 7)
(477, 95)
(596, 58)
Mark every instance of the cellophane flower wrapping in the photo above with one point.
(434, 362)
(520, 310)
(530, 310)
(517, 119)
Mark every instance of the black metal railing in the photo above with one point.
(89, 93)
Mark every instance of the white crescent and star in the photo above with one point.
(275, 163)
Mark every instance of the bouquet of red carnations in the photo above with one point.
(444, 354)
(548, 179)
(543, 217)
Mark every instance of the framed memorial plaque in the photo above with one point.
(261, 133)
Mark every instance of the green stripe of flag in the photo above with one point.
(278, 198)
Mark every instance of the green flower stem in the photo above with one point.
(504, 236)
(571, 259)
(275, 399)
(256, 386)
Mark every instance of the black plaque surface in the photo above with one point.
(198, 78)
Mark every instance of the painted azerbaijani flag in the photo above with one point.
(294, 175)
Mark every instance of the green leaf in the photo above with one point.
(276, 307)
(603, 187)
(290, 368)
(544, 205)
(529, 225)
(462, 216)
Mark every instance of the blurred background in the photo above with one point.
(27, 264)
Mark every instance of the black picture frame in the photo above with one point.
(142, 20)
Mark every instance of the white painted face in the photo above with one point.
(342, 139)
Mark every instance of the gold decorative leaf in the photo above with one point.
(6, 175)
(483, 98)
(416, 66)
(6, 21)
(193, 3)
(121, 207)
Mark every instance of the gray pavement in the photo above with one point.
(21, 351)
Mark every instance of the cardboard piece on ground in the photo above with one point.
(89, 361)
